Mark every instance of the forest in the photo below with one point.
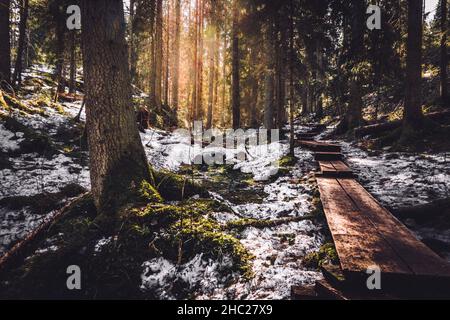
(224, 149)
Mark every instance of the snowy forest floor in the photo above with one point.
(43, 165)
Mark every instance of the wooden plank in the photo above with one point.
(341, 166)
(327, 291)
(303, 293)
(328, 156)
(419, 258)
(326, 167)
(319, 146)
(358, 245)
(336, 169)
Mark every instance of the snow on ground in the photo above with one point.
(171, 151)
(31, 174)
(278, 250)
(401, 179)
(9, 140)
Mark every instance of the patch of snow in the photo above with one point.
(401, 179)
(9, 141)
(200, 275)
(32, 174)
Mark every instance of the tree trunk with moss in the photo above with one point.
(118, 162)
(413, 116)
(5, 44)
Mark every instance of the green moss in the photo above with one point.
(9, 103)
(205, 235)
(138, 234)
(242, 224)
(43, 101)
(326, 254)
(149, 192)
(287, 161)
(173, 187)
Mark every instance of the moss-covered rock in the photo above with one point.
(173, 187)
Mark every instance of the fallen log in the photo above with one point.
(424, 211)
(387, 126)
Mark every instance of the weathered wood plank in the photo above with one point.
(419, 258)
(341, 166)
(336, 169)
(328, 156)
(358, 243)
(319, 146)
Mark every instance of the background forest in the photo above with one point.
(94, 174)
(207, 60)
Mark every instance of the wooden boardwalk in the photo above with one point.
(367, 235)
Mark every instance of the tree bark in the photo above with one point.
(413, 110)
(60, 48)
(176, 59)
(212, 54)
(354, 113)
(291, 81)
(444, 54)
(118, 162)
(158, 53)
(235, 91)
(269, 79)
(225, 103)
(17, 76)
(132, 49)
(5, 45)
(167, 60)
(73, 63)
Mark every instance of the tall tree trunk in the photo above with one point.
(158, 53)
(444, 54)
(199, 95)
(235, 94)
(195, 73)
(211, 56)
(216, 71)
(291, 81)
(269, 79)
(73, 63)
(413, 111)
(17, 76)
(176, 58)
(5, 45)
(167, 49)
(225, 104)
(132, 49)
(280, 73)
(254, 84)
(354, 112)
(117, 159)
(60, 48)
(152, 23)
